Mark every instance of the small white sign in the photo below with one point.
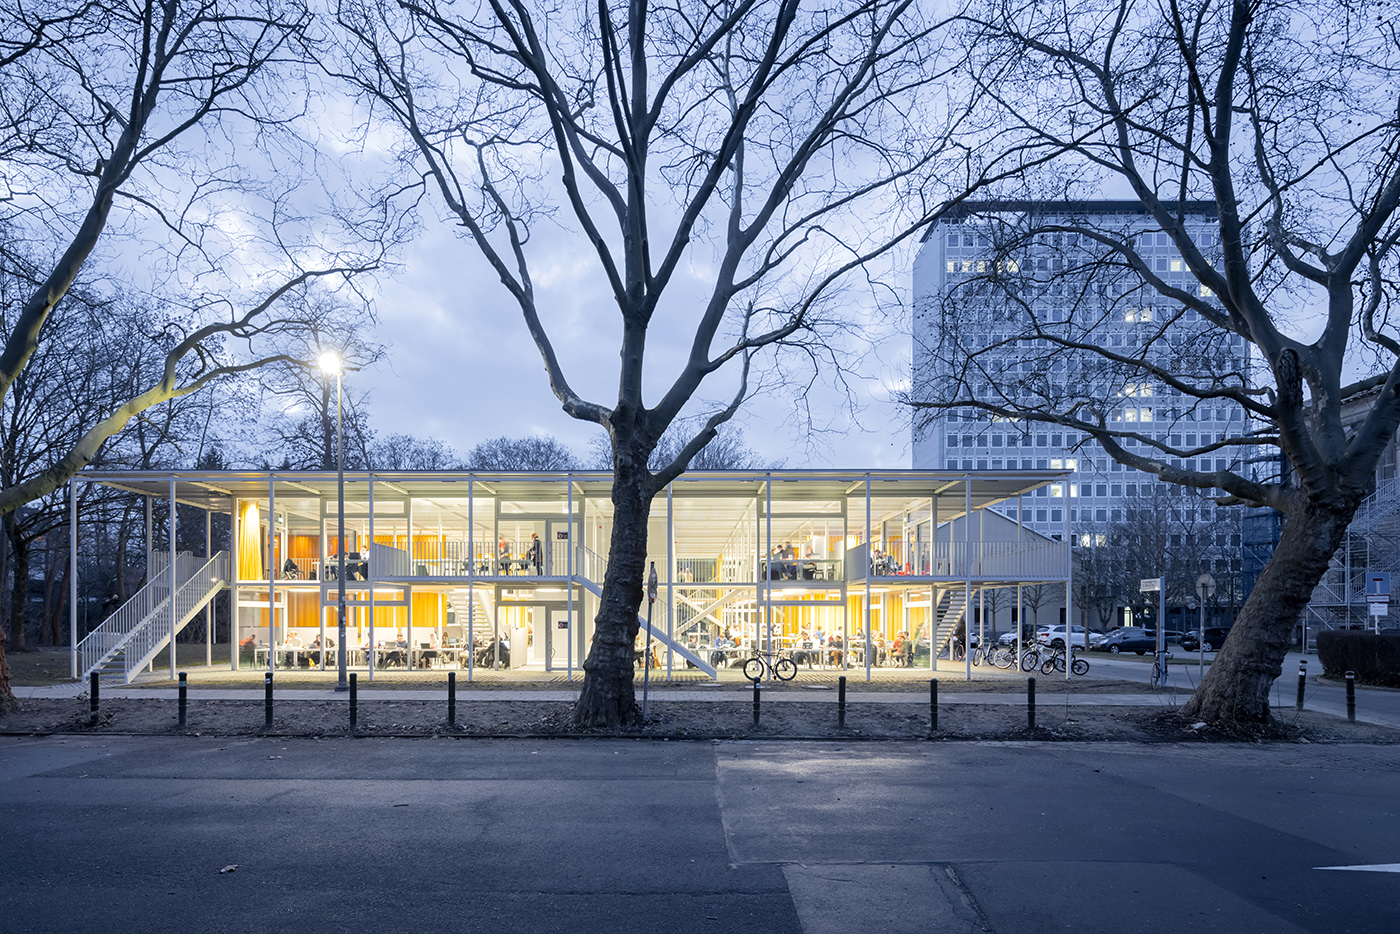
(1148, 584)
(1380, 609)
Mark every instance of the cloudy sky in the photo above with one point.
(461, 366)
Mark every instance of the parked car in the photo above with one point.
(1128, 639)
(1215, 637)
(1055, 636)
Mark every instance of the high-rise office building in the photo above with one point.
(1011, 297)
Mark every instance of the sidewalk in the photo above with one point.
(467, 695)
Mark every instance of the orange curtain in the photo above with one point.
(250, 563)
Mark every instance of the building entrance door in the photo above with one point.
(556, 551)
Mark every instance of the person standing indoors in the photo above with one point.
(534, 556)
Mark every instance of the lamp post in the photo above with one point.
(330, 363)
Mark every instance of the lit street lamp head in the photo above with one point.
(329, 362)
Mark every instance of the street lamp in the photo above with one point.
(330, 363)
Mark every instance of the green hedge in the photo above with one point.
(1374, 658)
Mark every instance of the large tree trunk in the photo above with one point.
(608, 698)
(1234, 694)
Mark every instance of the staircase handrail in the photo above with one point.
(117, 629)
(197, 584)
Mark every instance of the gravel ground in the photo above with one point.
(729, 719)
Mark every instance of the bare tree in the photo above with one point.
(774, 150)
(1263, 118)
(142, 124)
(302, 428)
(536, 452)
(405, 452)
(726, 451)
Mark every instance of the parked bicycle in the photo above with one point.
(784, 669)
(1056, 662)
(1032, 659)
(1159, 668)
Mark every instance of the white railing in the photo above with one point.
(197, 585)
(589, 564)
(150, 604)
(988, 559)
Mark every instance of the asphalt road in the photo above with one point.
(123, 834)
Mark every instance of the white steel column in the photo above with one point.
(967, 569)
(1069, 589)
(569, 567)
(367, 562)
(271, 572)
(932, 588)
(767, 563)
(73, 576)
(869, 569)
(1020, 577)
(209, 607)
(233, 608)
(670, 579)
(150, 548)
(471, 578)
(174, 579)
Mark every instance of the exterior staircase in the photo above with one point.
(130, 638)
(952, 606)
(658, 633)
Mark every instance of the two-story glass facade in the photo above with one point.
(504, 571)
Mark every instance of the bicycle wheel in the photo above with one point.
(1030, 661)
(786, 669)
(753, 669)
(1047, 666)
(1080, 667)
(976, 656)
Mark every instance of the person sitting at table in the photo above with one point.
(718, 655)
(395, 652)
(906, 650)
(294, 643)
(879, 644)
(789, 555)
(802, 655)
(320, 645)
(836, 649)
(809, 564)
(503, 557)
(428, 656)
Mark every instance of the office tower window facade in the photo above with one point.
(1067, 309)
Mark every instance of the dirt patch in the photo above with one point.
(667, 719)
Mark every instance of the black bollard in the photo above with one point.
(1030, 703)
(1302, 681)
(267, 700)
(933, 705)
(1351, 697)
(452, 698)
(354, 701)
(183, 700)
(93, 692)
(841, 702)
(755, 701)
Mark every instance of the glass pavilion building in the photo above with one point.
(499, 571)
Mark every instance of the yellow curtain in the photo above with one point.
(250, 565)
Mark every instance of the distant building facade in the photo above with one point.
(983, 286)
